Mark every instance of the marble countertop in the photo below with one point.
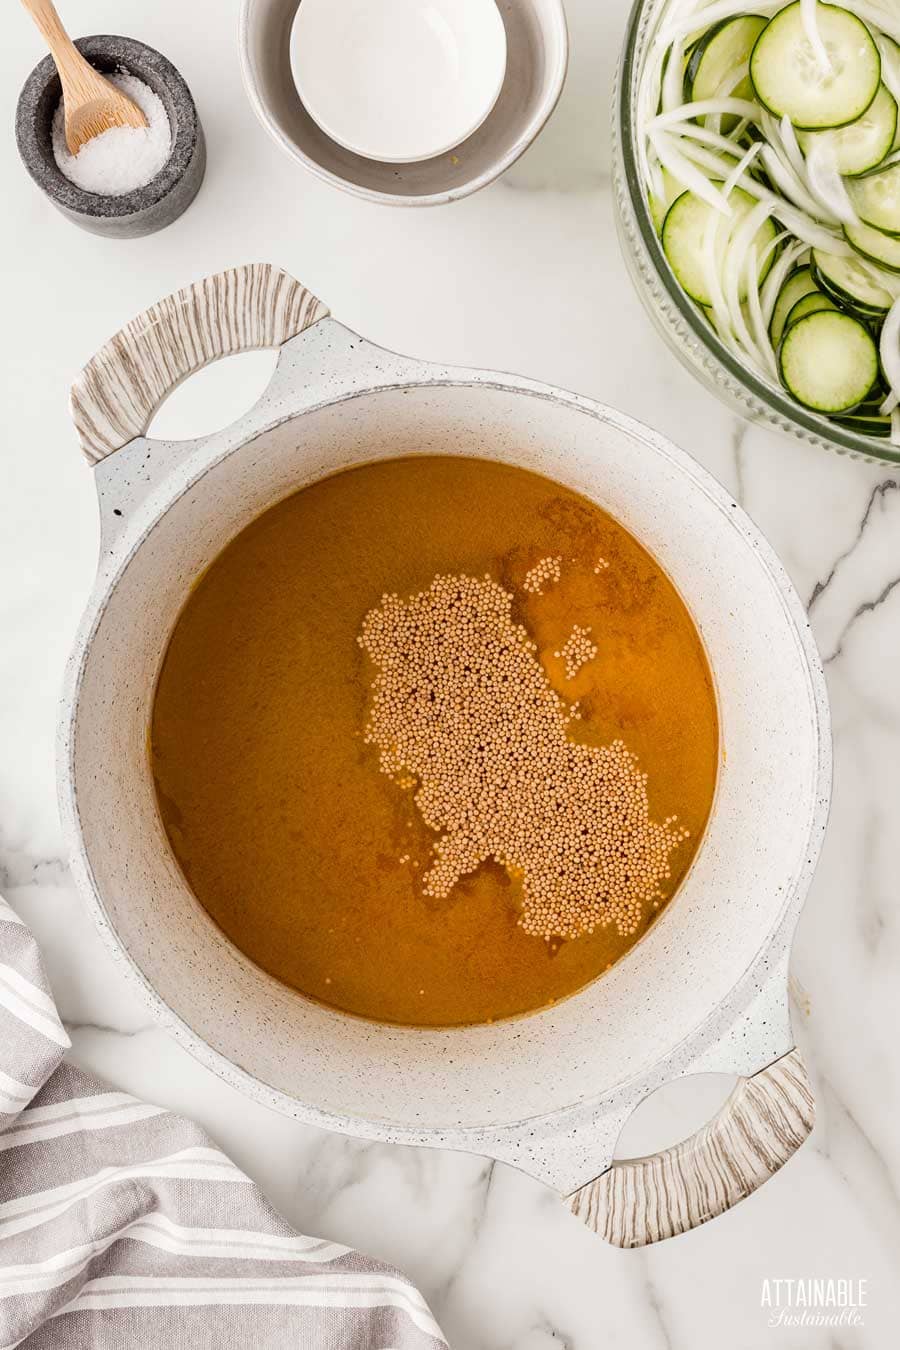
(525, 276)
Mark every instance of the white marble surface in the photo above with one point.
(526, 276)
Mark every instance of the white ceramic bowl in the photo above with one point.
(402, 80)
(705, 989)
(537, 55)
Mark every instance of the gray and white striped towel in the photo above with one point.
(122, 1225)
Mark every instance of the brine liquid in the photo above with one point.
(311, 857)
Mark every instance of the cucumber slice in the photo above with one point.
(722, 51)
(890, 57)
(800, 283)
(863, 144)
(866, 426)
(847, 282)
(682, 238)
(809, 304)
(876, 199)
(828, 361)
(875, 245)
(787, 77)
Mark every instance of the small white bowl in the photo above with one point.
(536, 54)
(398, 80)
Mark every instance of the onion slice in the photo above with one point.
(885, 19)
(813, 36)
(673, 79)
(890, 69)
(702, 18)
(685, 112)
(827, 184)
(778, 275)
(889, 350)
(687, 174)
(743, 164)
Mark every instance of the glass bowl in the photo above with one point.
(675, 316)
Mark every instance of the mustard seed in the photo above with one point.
(462, 706)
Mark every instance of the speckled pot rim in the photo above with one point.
(146, 64)
(688, 1054)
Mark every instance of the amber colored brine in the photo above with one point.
(311, 858)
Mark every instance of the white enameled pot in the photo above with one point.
(705, 990)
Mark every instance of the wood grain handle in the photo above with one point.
(116, 395)
(763, 1123)
(48, 21)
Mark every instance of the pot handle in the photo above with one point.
(114, 398)
(763, 1123)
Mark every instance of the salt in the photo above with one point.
(123, 158)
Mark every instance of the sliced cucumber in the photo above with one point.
(890, 58)
(787, 77)
(828, 361)
(800, 283)
(862, 144)
(810, 304)
(718, 57)
(875, 245)
(866, 426)
(847, 282)
(683, 232)
(876, 199)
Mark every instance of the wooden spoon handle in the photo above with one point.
(65, 53)
(80, 81)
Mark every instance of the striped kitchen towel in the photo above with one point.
(122, 1225)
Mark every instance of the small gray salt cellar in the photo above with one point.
(145, 209)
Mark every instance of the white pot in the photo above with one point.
(706, 989)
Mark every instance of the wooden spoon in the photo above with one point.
(91, 104)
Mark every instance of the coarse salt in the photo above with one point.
(123, 158)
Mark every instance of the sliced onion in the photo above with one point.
(783, 176)
(827, 184)
(889, 349)
(688, 174)
(742, 240)
(895, 427)
(797, 221)
(792, 147)
(704, 18)
(890, 70)
(813, 36)
(790, 170)
(726, 90)
(885, 19)
(685, 112)
(691, 131)
(778, 275)
(888, 281)
(673, 79)
(743, 164)
(754, 303)
(711, 276)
